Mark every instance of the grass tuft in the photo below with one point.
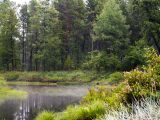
(84, 112)
(46, 115)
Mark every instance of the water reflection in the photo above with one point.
(40, 98)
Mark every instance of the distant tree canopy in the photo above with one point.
(51, 35)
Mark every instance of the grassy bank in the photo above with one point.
(83, 112)
(8, 93)
(62, 77)
(125, 99)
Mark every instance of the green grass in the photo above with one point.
(111, 78)
(78, 112)
(45, 115)
(21, 83)
(84, 112)
(61, 77)
(8, 93)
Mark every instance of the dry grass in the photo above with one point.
(147, 109)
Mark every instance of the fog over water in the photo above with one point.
(54, 98)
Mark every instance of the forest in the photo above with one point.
(75, 34)
(106, 51)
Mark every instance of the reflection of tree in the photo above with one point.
(8, 110)
(28, 109)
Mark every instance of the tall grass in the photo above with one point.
(46, 115)
(78, 112)
(56, 76)
(147, 109)
(83, 112)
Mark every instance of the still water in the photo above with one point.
(54, 98)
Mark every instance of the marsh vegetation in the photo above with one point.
(79, 59)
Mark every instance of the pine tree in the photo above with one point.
(8, 35)
(34, 34)
(24, 18)
(151, 23)
(112, 29)
(72, 18)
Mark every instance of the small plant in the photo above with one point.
(45, 115)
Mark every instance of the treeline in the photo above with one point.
(105, 35)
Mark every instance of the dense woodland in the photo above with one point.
(102, 35)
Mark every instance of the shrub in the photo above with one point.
(113, 97)
(135, 56)
(145, 81)
(115, 78)
(96, 93)
(84, 112)
(102, 61)
(45, 115)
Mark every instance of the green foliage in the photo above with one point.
(45, 115)
(150, 24)
(135, 56)
(111, 28)
(68, 64)
(115, 78)
(145, 82)
(98, 93)
(135, 18)
(83, 112)
(113, 96)
(8, 33)
(101, 61)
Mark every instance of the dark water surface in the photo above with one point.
(55, 98)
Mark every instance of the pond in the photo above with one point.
(54, 98)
